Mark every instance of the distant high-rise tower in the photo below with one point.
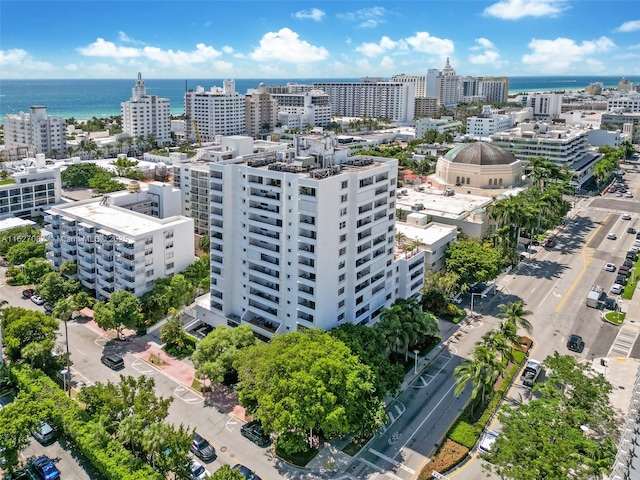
(27, 134)
(145, 115)
(448, 92)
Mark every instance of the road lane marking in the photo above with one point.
(585, 265)
(400, 409)
(372, 465)
(80, 352)
(551, 290)
(392, 461)
(231, 422)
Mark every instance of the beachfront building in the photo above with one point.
(371, 97)
(302, 110)
(261, 112)
(419, 82)
(30, 189)
(215, 112)
(444, 85)
(26, 134)
(303, 243)
(144, 115)
(116, 247)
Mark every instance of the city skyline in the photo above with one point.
(267, 39)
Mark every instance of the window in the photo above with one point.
(341, 265)
(342, 251)
(169, 245)
(168, 256)
(341, 304)
(149, 273)
(343, 198)
(468, 180)
(342, 225)
(343, 237)
(341, 278)
(490, 182)
(169, 266)
(340, 291)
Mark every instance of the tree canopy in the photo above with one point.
(22, 327)
(473, 262)
(21, 252)
(567, 431)
(16, 235)
(308, 381)
(122, 311)
(54, 287)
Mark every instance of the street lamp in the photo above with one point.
(475, 295)
(415, 367)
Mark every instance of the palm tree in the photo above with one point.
(502, 340)
(153, 440)
(390, 325)
(481, 370)
(515, 314)
(129, 430)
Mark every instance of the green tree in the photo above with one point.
(20, 327)
(307, 381)
(20, 253)
(16, 235)
(53, 287)
(68, 268)
(216, 353)
(226, 473)
(17, 420)
(473, 262)
(82, 300)
(204, 242)
(182, 291)
(36, 268)
(515, 314)
(482, 371)
(545, 438)
(77, 175)
(103, 183)
(122, 311)
(124, 166)
(172, 333)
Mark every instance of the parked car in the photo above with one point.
(254, 432)
(487, 441)
(575, 343)
(550, 241)
(616, 288)
(198, 472)
(37, 299)
(621, 279)
(28, 292)
(45, 468)
(628, 195)
(609, 267)
(627, 263)
(248, 474)
(202, 449)
(45, 433)
(113, 361)
(610, 303)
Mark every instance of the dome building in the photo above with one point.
(478, 168)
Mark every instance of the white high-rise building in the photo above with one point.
(494, 89)
(544, 105)
(299, 110)
(116, 247)
(371, 97)
(218, 111)
(488, 122)
(627, 104)
(304, 243)
(448, 85)
(419, 81)
(145, 115)
(26, 134)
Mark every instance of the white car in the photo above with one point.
(636, 243)
(487, 441)
(198, 472)
(610, 267)
(626, 216)
(628, 195)
(616, 288)
(37, 300)
(611, 236)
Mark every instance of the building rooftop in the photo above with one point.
(435, 203)
(118, 219)
(12, 222)
(429, 235)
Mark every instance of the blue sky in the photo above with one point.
(316, 39)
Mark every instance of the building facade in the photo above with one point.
(35, 188)
(300, 110)
(261, 112)
(488, 123)
(145, 115)
(116, 248)
(627, 104)
(214, 112)
(26, 134)
(297, 244)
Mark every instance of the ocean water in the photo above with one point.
(83, 99)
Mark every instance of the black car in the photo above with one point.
(254, 432)
(202, 448)
(575, 343)
(631, 230)
(113, 361)
(621, 280)
(627, 263)
(610, 303)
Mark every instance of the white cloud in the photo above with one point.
(372, 49)
(634, 47)
(488, 57)
(560, 54)
(227, 49)
(631, 26)
(285, 45)
(367, 17)
(517, 9)
(102, 48)
(422, 42)
(123, 37)
(483, 43)
(313, 14)
(20, 61)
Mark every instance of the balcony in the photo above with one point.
(262, 323)
(264, 245)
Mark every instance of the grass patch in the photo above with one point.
(617, 318)
(355, 445)
(196, 385)
(299, 459)
(156, 360)
(630, 288)
(7, 181)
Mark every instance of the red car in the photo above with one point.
(28, 292)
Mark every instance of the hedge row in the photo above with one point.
(108, 456)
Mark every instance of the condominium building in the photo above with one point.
(566, 145)
(546, 106)
(33, 189)
(300, 110)
(447, 86)
(303, 243)
(371, 97)
(627, 104)
(426, 106)
(488, 122)
(441, 125)
(629, 123)
(419, 81)
(494, 89)
(26, 134)
(214, 112)
(261, 112)
(145, 115)
(116, 247)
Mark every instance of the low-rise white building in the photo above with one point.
(423, 125)
(488, 122)
(115, 246)
(434, 238)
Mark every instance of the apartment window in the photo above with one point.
(169, 245)
(148, 261)
(341, 316)
(341, 278)
(168, 234)
(343, 211)
(342, 225)
(149, 251)
(168, 256)
(345, 184)
(341, 304)
(342, 251)
(343, 237)
(340, 291)
(149, 273)
(341, 265)
(343, 198)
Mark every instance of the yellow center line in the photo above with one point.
(585, 265)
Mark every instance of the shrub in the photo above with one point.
(448, 456)
(464, 434)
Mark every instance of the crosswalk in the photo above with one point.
(624, 341)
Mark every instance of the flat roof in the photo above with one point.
(435, 203)
(116, 218)
(12, 222)
(428, 235)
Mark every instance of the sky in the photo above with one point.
(316, 39)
